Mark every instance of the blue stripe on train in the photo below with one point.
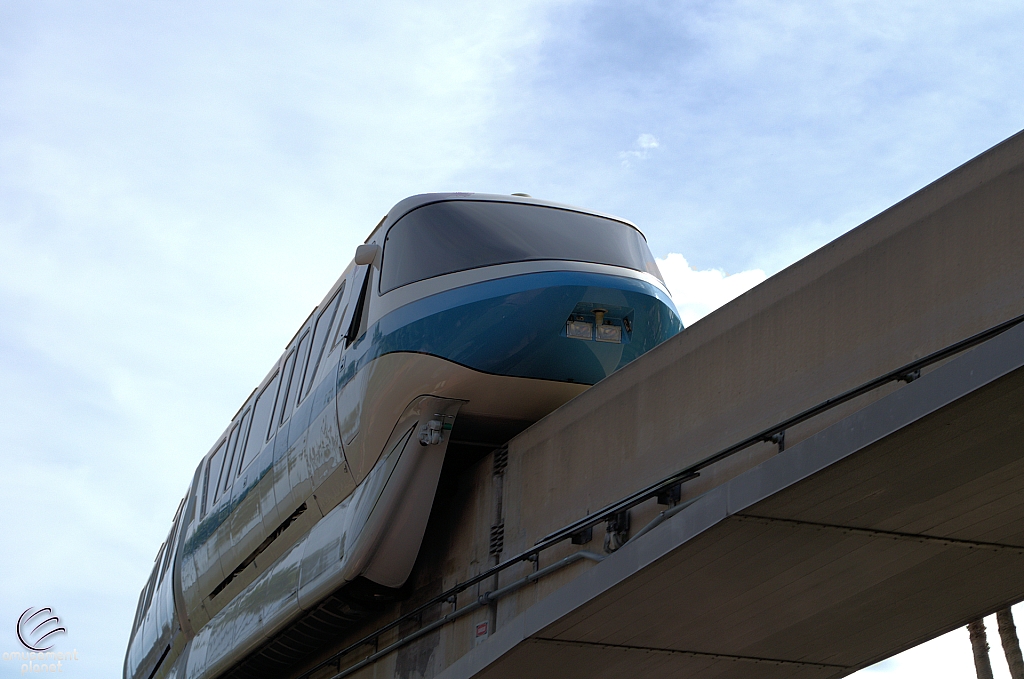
(514, 326)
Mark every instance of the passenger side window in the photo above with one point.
(354, 306)
(151, 585)
(293, 387)
(291, 375)
(225, 463)
(138, 611)
(236, 442)
(320, 334)
(214, 464)
(286, 385)
(169, 548)
(340, 329)
(145, 598)
(261, 421)
(362, 310)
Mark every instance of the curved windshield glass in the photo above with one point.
(454, 236)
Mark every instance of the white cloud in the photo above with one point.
(698, 293)
(642, 147)
(647, 141)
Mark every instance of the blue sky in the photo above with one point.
(181, 182)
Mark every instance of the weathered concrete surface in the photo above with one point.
(901, 521)
(939, 266)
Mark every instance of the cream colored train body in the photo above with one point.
(462, 313)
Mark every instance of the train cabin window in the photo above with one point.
(171, 544)
(138, 612)
(144, 598)
(286, 385)
(167, 557)
(451, 236)
(262, 414)
(204, 485)
(301, 354)
(351, 307)
(233, 450)
(288, 380)
(222, 472)
(346, 301)
(320, 335)
(151, 584)
(363, 311)
(211, 475)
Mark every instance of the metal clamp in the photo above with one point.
(616, 531)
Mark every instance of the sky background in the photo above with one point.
(181, 182)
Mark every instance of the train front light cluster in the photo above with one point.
(597, 325)
(608, 333)
(579, 329)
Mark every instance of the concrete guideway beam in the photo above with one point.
(715, 588)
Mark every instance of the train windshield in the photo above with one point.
(452, 236)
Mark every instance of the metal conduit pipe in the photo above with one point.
(483, 600)
(490, 597)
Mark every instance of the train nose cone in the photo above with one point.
(565, 326)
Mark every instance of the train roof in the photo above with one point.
(409, 204)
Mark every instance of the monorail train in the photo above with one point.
(462, 315)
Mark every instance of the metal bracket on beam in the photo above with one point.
(671, 495)
(583, 537)
(616, 531)
(910, 376)
(778, 438)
